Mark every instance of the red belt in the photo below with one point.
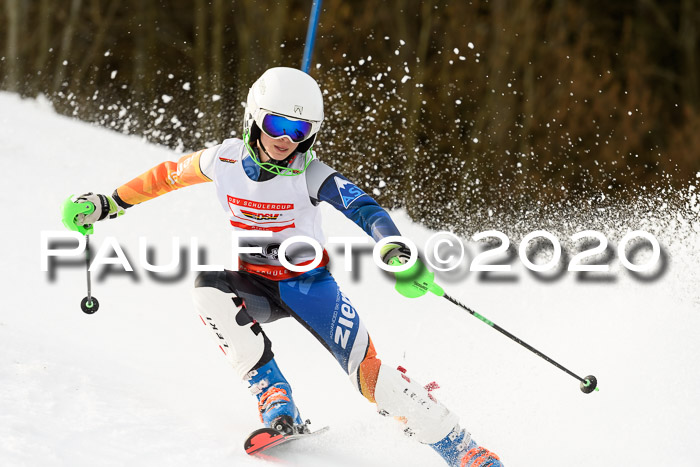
(278, 273)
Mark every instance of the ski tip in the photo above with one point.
(262, 439)
(265, 438)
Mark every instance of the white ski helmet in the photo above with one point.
(289, 93)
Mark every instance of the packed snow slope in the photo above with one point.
(140, 382)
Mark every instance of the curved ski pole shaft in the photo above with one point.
(585, 382)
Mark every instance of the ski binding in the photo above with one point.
(266, 438)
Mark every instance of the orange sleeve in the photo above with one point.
(163, 178)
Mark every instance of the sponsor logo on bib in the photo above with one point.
(255, 215)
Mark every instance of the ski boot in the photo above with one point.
(459, 450)
(275, 403)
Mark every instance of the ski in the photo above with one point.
(266, 438)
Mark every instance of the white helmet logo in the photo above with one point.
(298, 109)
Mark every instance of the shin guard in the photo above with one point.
(237, 335)
(427, 420)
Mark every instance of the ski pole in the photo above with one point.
(417, 281)
(89, 304)
(588, 384)
(69, 211)
(311, 35)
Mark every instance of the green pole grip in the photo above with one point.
(70, 210)
(416, 281)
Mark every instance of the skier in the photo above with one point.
(270, 183)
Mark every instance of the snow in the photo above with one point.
(140, 382)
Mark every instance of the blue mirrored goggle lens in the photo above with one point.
(277, 126)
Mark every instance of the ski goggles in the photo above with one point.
(277, 126)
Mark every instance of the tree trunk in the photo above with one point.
(274, 50)
(200, 65)
(415, 98)
(12, 8)
(66, 43)
(102, 22)
(688, 35)
(243, 44)
(143, 47)
(217, 66)
(44, 32)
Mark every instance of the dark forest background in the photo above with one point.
(446, 108)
